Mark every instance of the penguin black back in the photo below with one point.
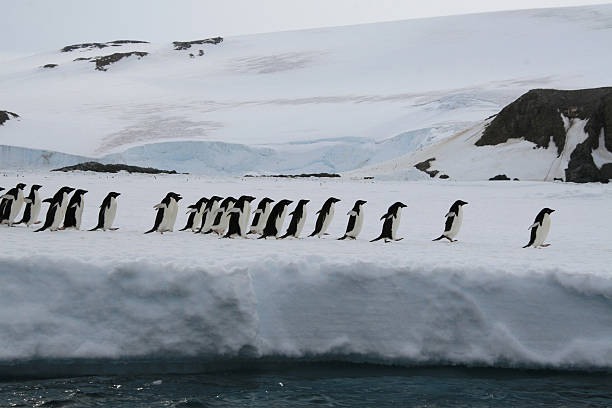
(323, 213)
(298, 214)
(271, 229)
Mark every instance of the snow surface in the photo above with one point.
(483, 300)
(326, 96)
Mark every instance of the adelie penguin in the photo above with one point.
(74, 212)
(297, 221)
(108, 211)
(355, 222)
(195, 215)
(261, 216)
(221, 221)
(391, 223)
(167, 211)
(236, 225)
(539, 229)
(326, 214)
(32, 208)
(274, 223)
(57, 209)
(210, 212)
(454, 218)
(13, 204)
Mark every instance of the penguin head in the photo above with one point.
(80, 192)
(215, 198)
(304, 202)
(36, 187)
(548, 210)
(360, 202)
(20, 186)
(114, 194)
(285, 202)
(460, 202)
(334, 199)
(247, 198)
(267, 200)
(399, 204)
(66, 189)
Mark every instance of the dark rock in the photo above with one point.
(515, 179)
(6, 116)
(70, 48)
(113, 168)
(305, 175)
(536, 117)
(369, 178)
(185, 45)
(425, 165)
(444, 176)
(103, 61)
(499, 177)
(50, 66)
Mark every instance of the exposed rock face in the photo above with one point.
(49, 65)
(185, 45)
(303, 175)
(90, 46)
(6, 115)
(113, 168)
(536, 117)
(500, 177)
(425, 165)
(102, 62)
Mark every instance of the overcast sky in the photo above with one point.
(36, 25)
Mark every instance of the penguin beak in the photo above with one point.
(552, 211)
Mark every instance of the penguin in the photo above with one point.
(275, 220)
(74, 212)
(221, 219)
(355, 222)
(297, 221)
(392, 220)
(32, 209)
(12, 207)
(326, 214)
(245, 214)
(108, 210)
(195, 215)
(57, 209)
(236, 225)
(454, 218)
(540, 228)
(167, 211)
(261, 216)
(210, 211)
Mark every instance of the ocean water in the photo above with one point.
(318, 384)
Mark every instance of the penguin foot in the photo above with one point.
(399, 239)
(113, 229)
(544, 245)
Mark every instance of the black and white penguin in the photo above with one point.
(57, 209)
(326, 214)
(236, 225)
(32, 209)
(297, 221)
(74, 212)
(14, 202)
(454, 218)
(261, 216)
(195, 215)
(540, 228)
(274, 223)
(210, 212)
(355, 221)
(391, 223)
(108, 211)
(221, 221)
(167, 211)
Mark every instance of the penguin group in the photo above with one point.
(65, 211)
(229, 217)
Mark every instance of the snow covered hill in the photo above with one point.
(544, 135)
(332, 99)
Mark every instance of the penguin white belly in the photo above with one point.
(280, 221)
(78, 214)
(358, 225)
(35, 209)
(109, 215)
(197, 220)
(263, 219)
(60, 214)
(301, 223)
(15, 207)
(395, 224)
(327, 221)
(542, 231)
(244, 218)
(169, 219)
(210, 217)
(456, 226)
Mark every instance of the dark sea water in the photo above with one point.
(319, 384)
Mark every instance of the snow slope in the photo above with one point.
(326, 97)
(126, 296)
